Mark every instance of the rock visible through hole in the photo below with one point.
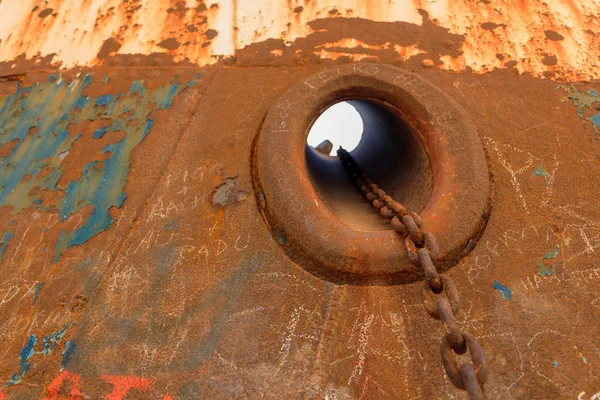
(227, 193)
(427, 163)
(325, 147)
(339, 125)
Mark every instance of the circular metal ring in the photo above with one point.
(310, 232)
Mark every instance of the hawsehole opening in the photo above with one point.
(386, 148)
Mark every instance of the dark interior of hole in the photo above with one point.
(390, 153)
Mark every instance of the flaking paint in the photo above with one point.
(35, 163)
(505, 290)
(4, 243)
(49, 342)
(587, 102)
(77, 34)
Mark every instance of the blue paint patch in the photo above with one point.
(149, 125)
(193, 82)
(541, 172)
(122, 199)
(505, 290)
(53, 106)
(67, 353)
(108, 148)
(5, 239)
(100, 132)
(583, 100)
(137, 86)
(38, 289)
(555, 364)
(25, 354)
(543, 270)
(103, 100)
(552, 253)
(50, 341)
(60, 244)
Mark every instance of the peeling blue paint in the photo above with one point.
(100, 132)
(555, 364)
(25, 354)
(543, 270)
(194, 81)
(583, 100)
(67, 353)
(38, 289)
(5, 239)
(103, 100)
(137, 86)
(541, 172)
(49, 343)
(52, 107)
(51, 340)
(552, 253)
(505, 290)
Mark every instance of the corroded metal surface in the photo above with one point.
(135, 261)
(456, 209)
(421, 247)
(539, 37)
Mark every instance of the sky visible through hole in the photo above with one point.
(341, 124)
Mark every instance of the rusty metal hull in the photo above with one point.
(135, 259)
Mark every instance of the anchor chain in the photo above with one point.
(440, 296)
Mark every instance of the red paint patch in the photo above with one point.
(57, 384)
(122, 385)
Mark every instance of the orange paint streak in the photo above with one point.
(123, 384)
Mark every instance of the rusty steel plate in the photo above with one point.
(136, 263)
(312, 235)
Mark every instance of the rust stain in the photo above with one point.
(192, 296)
(86, 34)
(185, 291)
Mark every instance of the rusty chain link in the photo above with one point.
(440, 296)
